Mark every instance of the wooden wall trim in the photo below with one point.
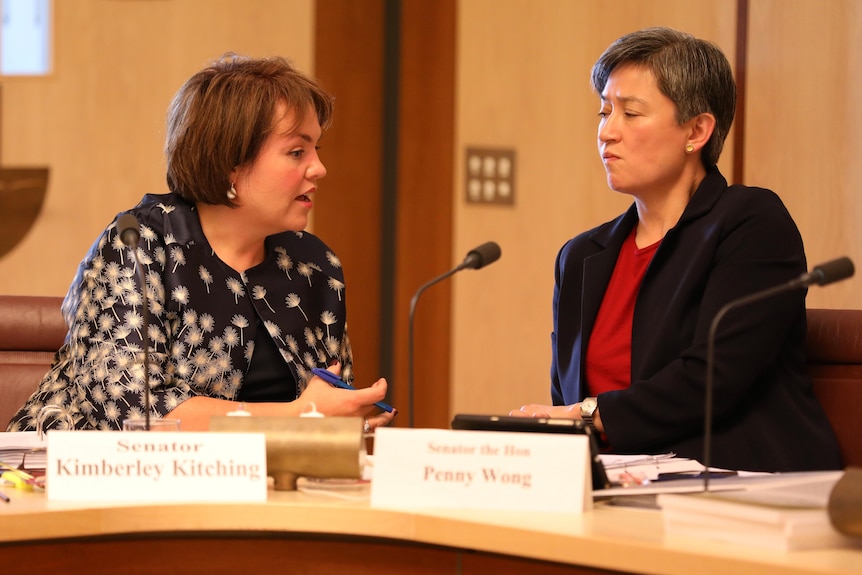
(426, 165)
(386, 205)
(348, 48)
(738, 175)
(390, 154)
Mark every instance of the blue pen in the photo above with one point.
(333, 379)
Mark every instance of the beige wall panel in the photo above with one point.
(98, 120)
(523, 82)
(804, 126)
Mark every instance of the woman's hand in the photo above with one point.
(334, 401)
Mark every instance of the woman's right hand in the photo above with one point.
(334, 401)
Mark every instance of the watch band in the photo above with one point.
(588, 409)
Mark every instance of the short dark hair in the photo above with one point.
(694, 74)
(220, 117)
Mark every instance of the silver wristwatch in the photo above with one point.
(588, 409)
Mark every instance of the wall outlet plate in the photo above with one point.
(490, 176)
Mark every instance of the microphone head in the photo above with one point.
(129, 229)
(481, 256)
(832, 271)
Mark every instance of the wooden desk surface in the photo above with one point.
(325, 535)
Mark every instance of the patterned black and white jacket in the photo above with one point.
(204, 319)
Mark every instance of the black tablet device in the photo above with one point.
(477, 422)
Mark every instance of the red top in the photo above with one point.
(609, 351)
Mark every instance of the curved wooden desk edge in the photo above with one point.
(325, 532)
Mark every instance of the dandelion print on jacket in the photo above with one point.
(204, 320)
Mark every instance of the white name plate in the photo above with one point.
(454, 469)
(164, 466)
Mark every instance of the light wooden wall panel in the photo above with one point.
(523, 82)
(98, 120)
(804, 127)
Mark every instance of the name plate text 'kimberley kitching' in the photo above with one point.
(156, 466)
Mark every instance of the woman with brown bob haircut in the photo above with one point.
(243, 303)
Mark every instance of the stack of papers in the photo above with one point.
(781, 511)
(23, 450)
(629, 470)
(639, 475)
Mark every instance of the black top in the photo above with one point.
(268, 378)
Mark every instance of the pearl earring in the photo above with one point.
(231, 193)
(689, 148)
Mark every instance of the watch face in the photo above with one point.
(588, 406)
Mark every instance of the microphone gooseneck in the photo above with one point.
(477, 258)
(823, 274)
(130, 234)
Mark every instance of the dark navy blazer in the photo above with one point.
(730, 242)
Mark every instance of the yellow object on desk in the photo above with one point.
(13, 477)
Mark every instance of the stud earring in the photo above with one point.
(689, 148)
(231, 193)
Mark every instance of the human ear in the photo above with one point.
(701, 128)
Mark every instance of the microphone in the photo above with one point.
(130, 234)
(823, 274)
(129, 230)
(477, 258)
(831, 271)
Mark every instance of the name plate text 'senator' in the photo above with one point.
(163, 467)
(454, 469)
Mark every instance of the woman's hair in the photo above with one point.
(219, 119)
(694, 74)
